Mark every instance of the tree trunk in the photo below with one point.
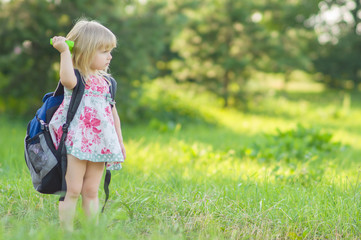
(356, 78)
(225, 92)
(354, 14)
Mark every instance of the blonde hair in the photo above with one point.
(88, 37)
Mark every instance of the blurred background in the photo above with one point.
(240, 117)
(236, 53)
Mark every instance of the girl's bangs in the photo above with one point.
(107, 42)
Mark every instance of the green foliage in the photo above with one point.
(300, 144)
(27, 59)
(219, 45)
(338, 58)
(300, 152)
(223, 42)
(167, 106)
(340, 62)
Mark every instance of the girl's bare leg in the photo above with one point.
(89, 192)
(74, 181)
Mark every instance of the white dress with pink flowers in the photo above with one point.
(91, 134)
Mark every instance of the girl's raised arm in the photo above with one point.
(67, 76)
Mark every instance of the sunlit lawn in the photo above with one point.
(194, 181)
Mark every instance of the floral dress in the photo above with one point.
(91, 134)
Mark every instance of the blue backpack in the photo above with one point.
(46, 164)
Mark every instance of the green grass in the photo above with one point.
(195, 180)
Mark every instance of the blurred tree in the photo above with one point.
(340, 50)
(214, 45)
(26, 58)
(290, 41)
(142, 34)
(223, 41)
(29, 65)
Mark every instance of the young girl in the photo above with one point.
(94, 135)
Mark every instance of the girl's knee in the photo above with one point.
(73, 193)
(90, 193)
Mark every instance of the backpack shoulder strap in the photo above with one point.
(76, 97)
(77, 91)
(108, 174)
(107, 178)
(112, 87)
(59, 90)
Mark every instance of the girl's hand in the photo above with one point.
(123, 149)
(59, 44)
